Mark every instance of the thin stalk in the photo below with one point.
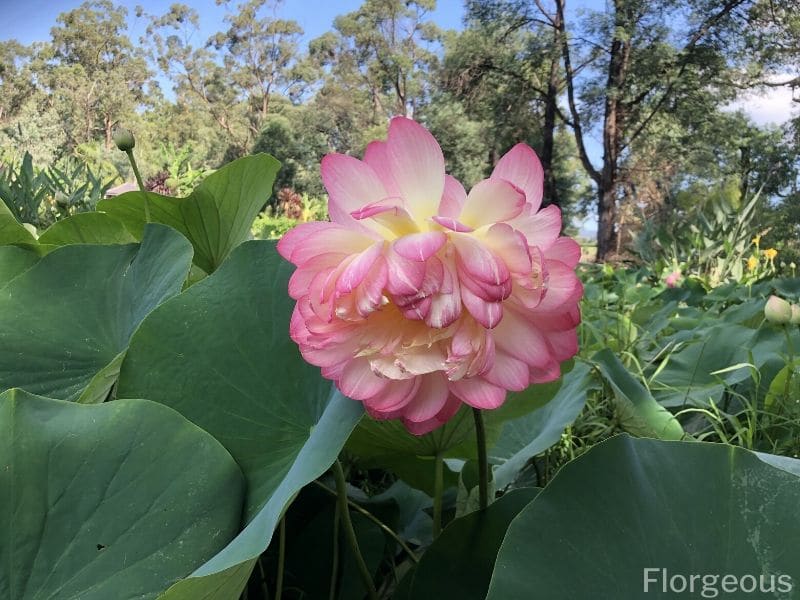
(281, 558)
(361, 510)
(790, 364)
(483, 463)
(264, 587)
(350, 533)
(335, 560)
(140, 183)
(438, 490)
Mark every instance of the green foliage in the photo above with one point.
(267, 227)
(707, 357)
(13, 261)
(24, 191)
(86, 228)
(215, 217)
(182, 177)
(289, 209)
(279, 138)
(110, 163)
(715, 244)
(252, 86)
(233, 78)
(35, 128)
(76, 186)
(529, 435)
(463, 140)
(637, 410)
(40, 197)
(369, 47)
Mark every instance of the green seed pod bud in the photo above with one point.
(778, 310)
(123, 139)
(795, 320)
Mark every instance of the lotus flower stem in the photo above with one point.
(790, 363)
(483, 463)
(388, 530)
(263, 573)
(347, 524)
(335, 557)
(281, 558)
(140, 183)
(438, 489)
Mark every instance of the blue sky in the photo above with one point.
(30, 20)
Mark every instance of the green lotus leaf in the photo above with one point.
(71, 314)
(629, 505)
(216, 217)
(220, 354)
(116, 500)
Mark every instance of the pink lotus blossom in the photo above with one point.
(417, 296)
(672, 279)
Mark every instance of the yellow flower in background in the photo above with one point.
(770, 253)
(757, 240)
(752, 263)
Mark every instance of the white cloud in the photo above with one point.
(770, 105)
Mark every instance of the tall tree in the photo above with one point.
(236, 73)
(262, 56)
(28, 120)
(16, 82)
(505, 69)
(644, 59)
(383, 49)
(93, 71)
(202, 85)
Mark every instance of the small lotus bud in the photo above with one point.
(123, 139)
(795, 320)
(778, 310)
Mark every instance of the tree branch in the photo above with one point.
(701, 32)
(570, 80)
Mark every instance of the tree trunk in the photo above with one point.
(606, 222)
(607, 186)
(744, 171)
(108, 131)
(613, 126)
